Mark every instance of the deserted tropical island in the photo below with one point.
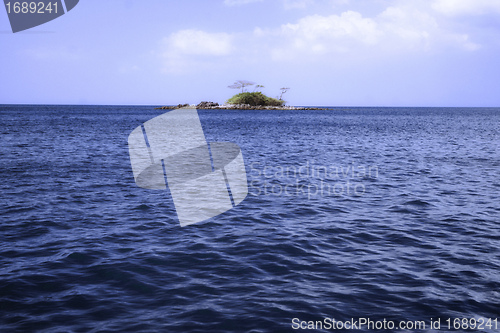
(245, 100)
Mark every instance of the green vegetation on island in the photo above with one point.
(255, 98)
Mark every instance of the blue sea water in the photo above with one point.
(378, 213)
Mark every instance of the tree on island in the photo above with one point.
(283, 91)
(241, 84)
(255, 98)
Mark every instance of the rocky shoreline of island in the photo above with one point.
(216, 106)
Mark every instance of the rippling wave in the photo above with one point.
(83, 249)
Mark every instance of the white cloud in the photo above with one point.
(408, 27)
(403, 29)
(413, 28)
(185, 48)
(397, 29)
(197, 42)
(464, 7)
(239, 2)
(316, 29)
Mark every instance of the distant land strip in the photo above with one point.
(216, 106)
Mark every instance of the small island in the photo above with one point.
(244, 100)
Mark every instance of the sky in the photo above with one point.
(329, 53)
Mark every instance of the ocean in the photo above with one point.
(374, 216)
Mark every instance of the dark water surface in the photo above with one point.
(392, 213)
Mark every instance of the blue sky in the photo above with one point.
(330, 52)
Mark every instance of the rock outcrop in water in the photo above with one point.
(206, 105)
